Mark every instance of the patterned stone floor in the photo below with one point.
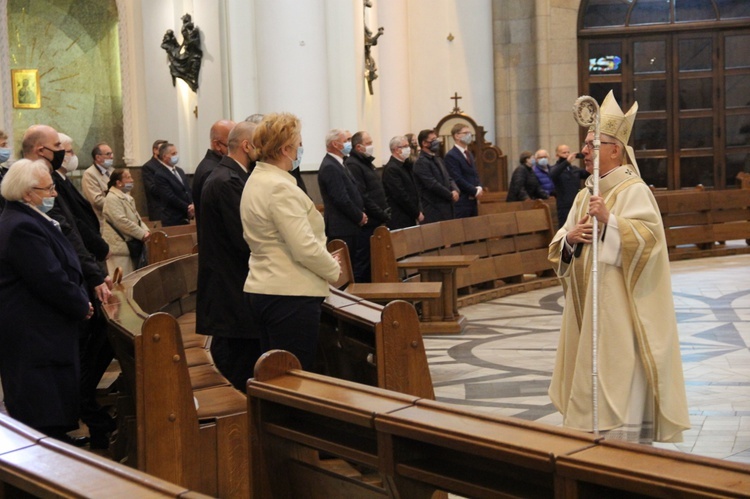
(503, 362)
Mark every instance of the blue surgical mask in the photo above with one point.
(174, 159)
(543, 162)
(347, 148)
(4, 154)
(298, 161)
(108, 163)
(127, 187)
(47, 204)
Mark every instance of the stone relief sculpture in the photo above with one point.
(185, 58)
(371, 68)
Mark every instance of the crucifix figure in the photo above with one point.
(456, 109)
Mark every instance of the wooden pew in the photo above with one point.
(383, 292)
(403, 446)
(170, 242)
(697, 223)
(32, 464)
(185, 419)
(510, 250)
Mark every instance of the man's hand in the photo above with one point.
(191, 211)
(109, 283)
(90, 312)
(146, 237)
(479, 193)
(581, 233)
(598, 209)
(102, 291)
(364, 219)
(420, 218)
(454, 194)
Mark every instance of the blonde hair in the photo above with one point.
(276, 131)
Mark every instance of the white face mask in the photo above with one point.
(405, 152)
(70, 163)
(369, 150)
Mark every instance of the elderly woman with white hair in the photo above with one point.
(42, 300)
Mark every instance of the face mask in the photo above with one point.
(467, 138)
(543, 162)
(71, 163)
(108, 163)
(174, 159)
(405, 152)
(347, 148)
(298, 161)
(47, 204)
(435, 146)
(127, 187)
(4, 154)
(57, 158)
(369, 150)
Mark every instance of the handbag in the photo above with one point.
(135, 246)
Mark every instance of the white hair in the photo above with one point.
(395, 141)
(333, 135)
(22, 176)
(65, 139)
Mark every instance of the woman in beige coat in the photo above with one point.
(120, 213)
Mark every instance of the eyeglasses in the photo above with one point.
(107, 154)
(590, 144)
(51, 189)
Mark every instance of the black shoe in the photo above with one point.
(99, 439)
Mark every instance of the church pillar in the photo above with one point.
(6, 98)
(291, 61)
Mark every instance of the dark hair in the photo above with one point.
(163, 148)
(115, 177)
(423, 136)
(524, 156)
(96, 151)
(357, 139)
(158, 143)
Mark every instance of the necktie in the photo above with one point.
(468, 156)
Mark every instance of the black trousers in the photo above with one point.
(235, 358)
(288, 323)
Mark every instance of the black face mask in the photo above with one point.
(57, 158)
(435, 146)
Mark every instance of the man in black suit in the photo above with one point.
(437, 191)
(344, 211)
(360, 165)
(172, 188)
(567, 179)
(462, 168)
(217, 148)
(223, 260)
(400, 188)
(148, 172)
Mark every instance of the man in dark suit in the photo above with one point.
(360, 165)
(42, 300)
(223, 263)
(437, 191)
(567, 179)
(462, 168)
(217, 148)
(400, 188)
(172, 188)
(344, 211)
(148, 172)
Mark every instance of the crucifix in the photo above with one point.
(456, 109)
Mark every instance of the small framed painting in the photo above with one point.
(27, 94)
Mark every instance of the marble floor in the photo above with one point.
(503, 361)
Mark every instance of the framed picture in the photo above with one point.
(27, 94)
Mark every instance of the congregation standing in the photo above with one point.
(263, 266)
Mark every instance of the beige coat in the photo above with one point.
(94, 187)
(119, 209)
(286, 235)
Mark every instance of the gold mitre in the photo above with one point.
(613, 122)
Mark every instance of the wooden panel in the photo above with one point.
(478, 248)
(729, 199)
(453, 231)
(535, 261)
(689, 201)
(432, 236)
(510, 265)
(406, 242)
(689, 235)
(532, 221)
(477, 228)
(502, 224)
(479, 271)
(532, 241)
(501, 246)
(684, 219)
(731, 231)
(730, 215)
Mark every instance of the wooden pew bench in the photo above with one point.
(509, 252)
(699, 223)
(34, 465)
(170, 242)
(400, 446)
(184, 420)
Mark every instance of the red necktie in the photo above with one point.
(468, 156)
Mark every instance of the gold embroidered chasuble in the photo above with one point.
(637, 323)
